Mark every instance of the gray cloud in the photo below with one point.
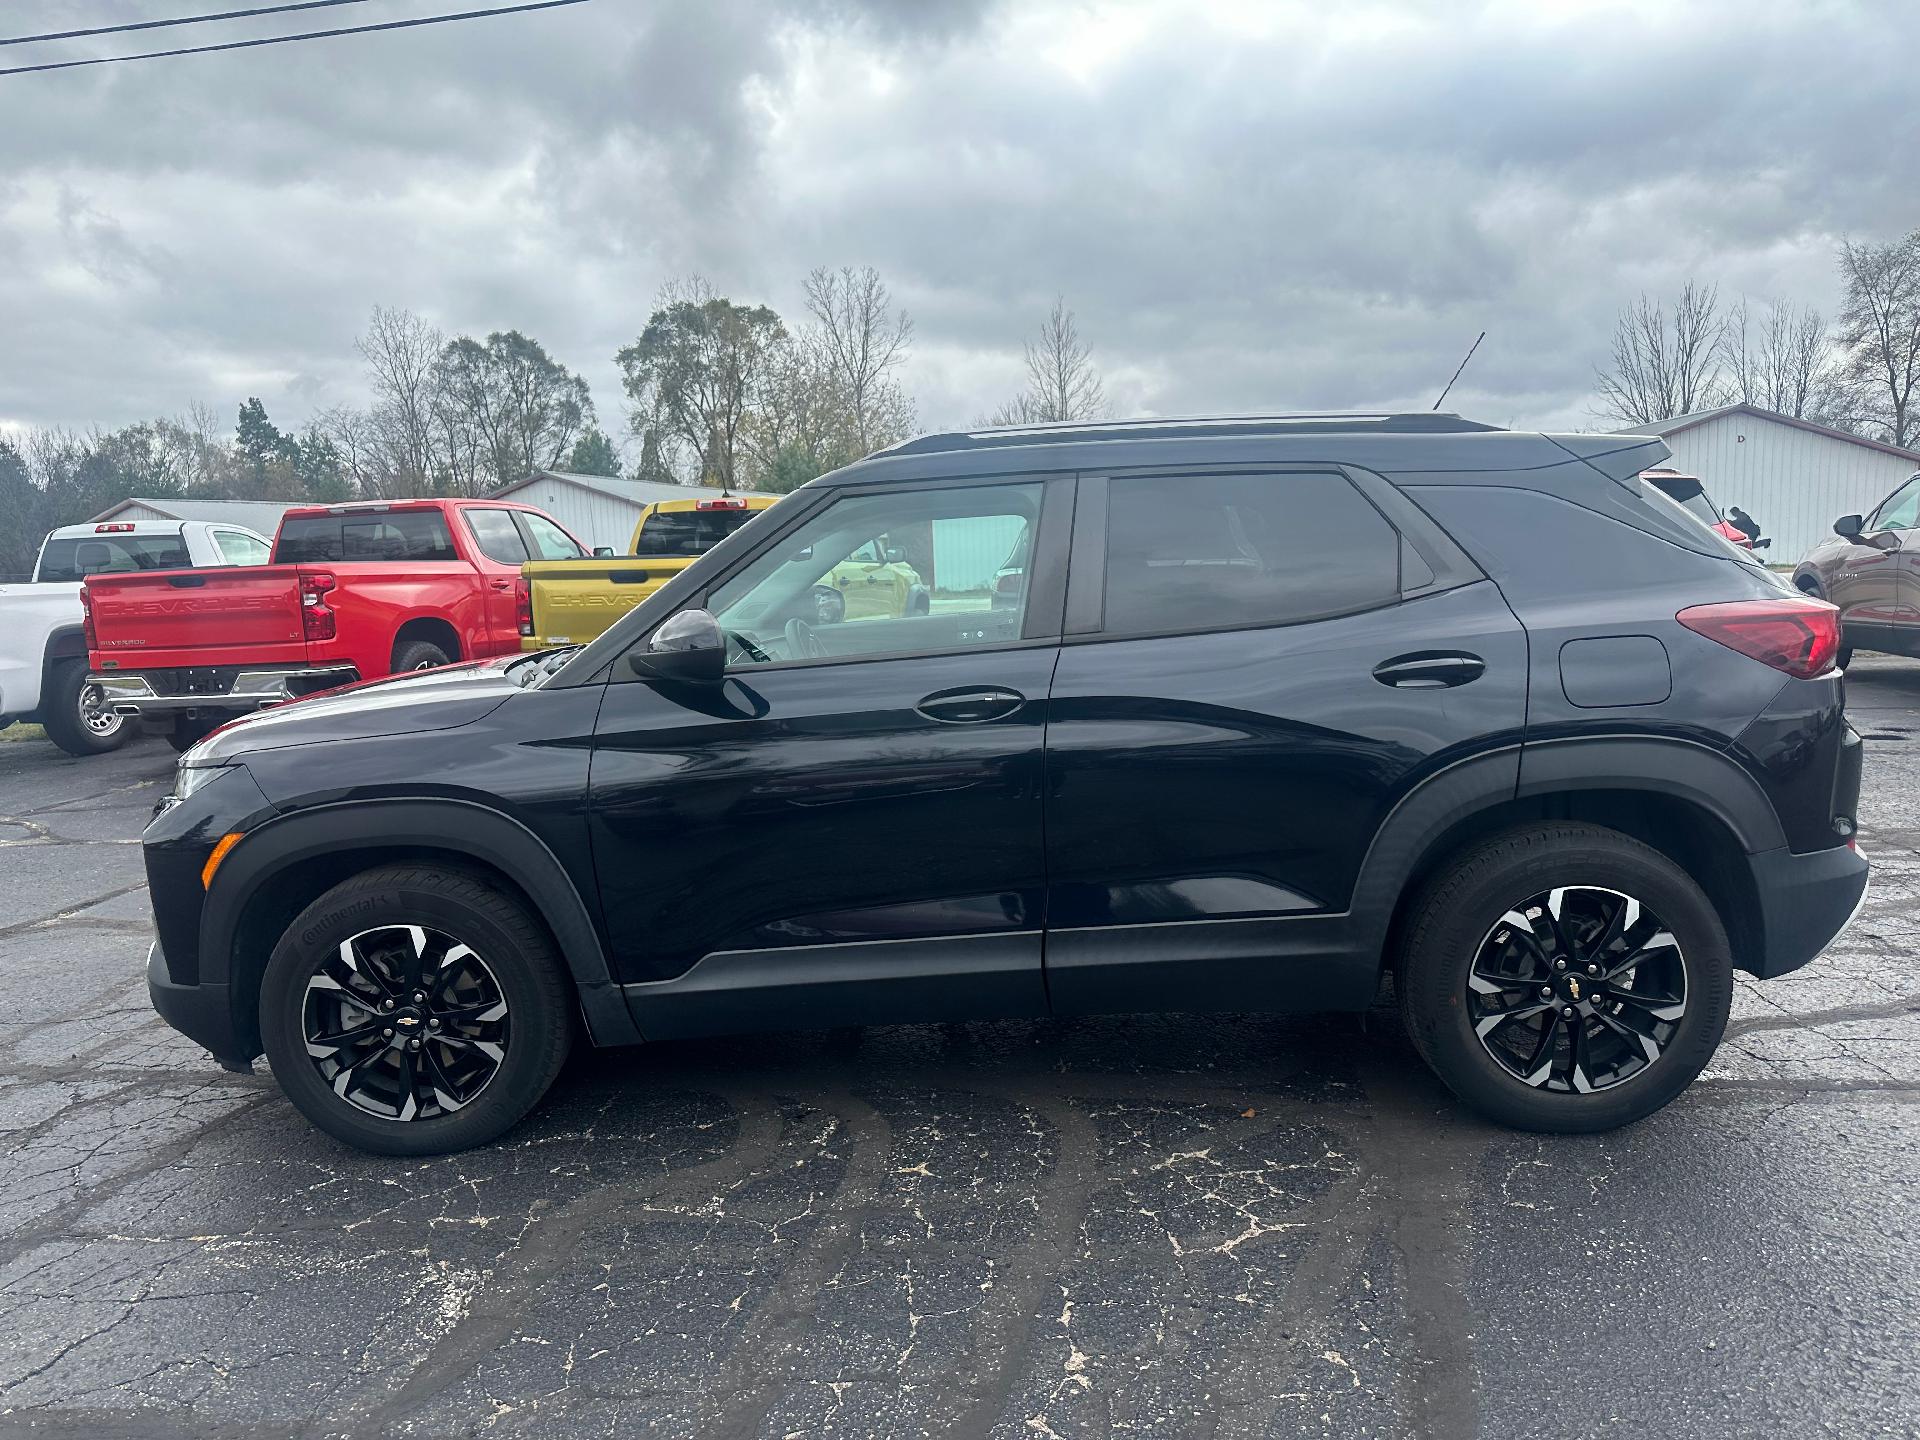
(1265, 205)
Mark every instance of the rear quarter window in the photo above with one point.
(685, 534)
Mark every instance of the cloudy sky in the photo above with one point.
(1250, 205)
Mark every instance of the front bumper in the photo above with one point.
(1805, 901)
(249, 690)
(199, 1012)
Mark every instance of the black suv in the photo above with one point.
(1270, 706)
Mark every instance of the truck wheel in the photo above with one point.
(415, 1010)
(1565, 977)
(419, 655)
(919, 602)
(70, 723)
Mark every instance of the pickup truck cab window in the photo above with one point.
(239, 548)
(679, 534)
(496, 534)
(907, 572)
(546, 540)
(81, 556)
(365, 535)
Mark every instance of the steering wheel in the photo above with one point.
(802, 643)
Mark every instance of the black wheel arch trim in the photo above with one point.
(1709, 779)
(462, 827)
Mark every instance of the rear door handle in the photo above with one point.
(1430, 670)
(502, 584)
(971, 705)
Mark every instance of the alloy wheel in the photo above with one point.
(98, 719)
(405, 1022)
(1579, 988)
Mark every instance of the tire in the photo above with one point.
(919, 603)
(70, 725)
(1457, 929)
(829, 606)
(419, 655)
(511, 966)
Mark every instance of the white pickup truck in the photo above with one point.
(43, 645)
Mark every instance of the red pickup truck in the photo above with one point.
(350, 592)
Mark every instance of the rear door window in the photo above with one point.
(79, 556)
(239, 548)
(1215, 552)
(496, 534)
(371, 535)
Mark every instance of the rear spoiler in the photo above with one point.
(1618, 457)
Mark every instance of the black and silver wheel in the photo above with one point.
(413, 1011)
(1565, 977)
(829, 605)
(419, 655)
(78, 718)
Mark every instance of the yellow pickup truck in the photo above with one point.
(574, 600)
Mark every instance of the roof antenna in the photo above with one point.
(1463, 365)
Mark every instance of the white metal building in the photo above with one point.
(598, 509)
(260, 516)
(1794, 477)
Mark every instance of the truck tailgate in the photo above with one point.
(238, 616)
(574, 600)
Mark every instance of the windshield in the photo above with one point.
(79, 556)
(685, 534)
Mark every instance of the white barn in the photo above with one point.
(1792, 476)
(598, 509)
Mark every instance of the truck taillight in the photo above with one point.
(316, 616)
(1800, 637)
(86, 614)
(523, 606)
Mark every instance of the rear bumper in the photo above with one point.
(1805, 901)
(247, 690)
(199, 1012)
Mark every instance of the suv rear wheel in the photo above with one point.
(414, 1010)
(1565, 978)
(72, 724)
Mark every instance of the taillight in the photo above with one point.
(523, 606)
(86, 613)
(1800, 637)
(316, 617)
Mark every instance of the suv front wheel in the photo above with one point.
(413, 1010)
(1565, 978)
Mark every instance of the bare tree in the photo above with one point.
(1061, 381)
(861, 339)
(1661, 367)
(403, 352)
(1880, 334)
(1783, 366)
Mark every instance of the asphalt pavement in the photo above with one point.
(1190, 1226)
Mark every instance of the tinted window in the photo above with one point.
(549, 541)
(1900, 510)
(683, 534)
(498, 536)
(1203, 552)
(237, 548)
(391, 535)
(85, 555)
(911, 571)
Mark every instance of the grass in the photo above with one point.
(22, 732)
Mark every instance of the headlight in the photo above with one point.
(190, 778)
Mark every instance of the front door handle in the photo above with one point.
(971, 705)
(502, 584)
(1430, 670)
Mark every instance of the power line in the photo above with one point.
(289, 39)
(183, 20)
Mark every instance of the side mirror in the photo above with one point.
(1764, 544)
(895, 555)
(690, 647)
(603, 552)
(799, 555)
(1847, 527)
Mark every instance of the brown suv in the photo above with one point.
(1871, 570)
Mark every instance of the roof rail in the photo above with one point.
(1420, 422)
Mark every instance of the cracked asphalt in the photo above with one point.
(1211, 1226)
